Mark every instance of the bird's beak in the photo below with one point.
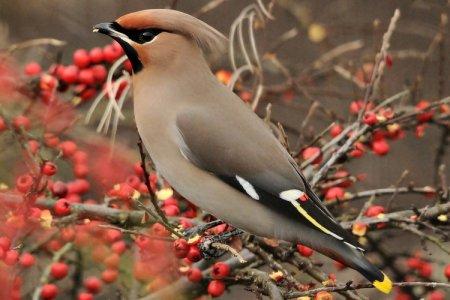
(110, 29)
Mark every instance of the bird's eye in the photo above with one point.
(146, 36)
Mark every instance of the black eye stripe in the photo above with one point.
(140, 36)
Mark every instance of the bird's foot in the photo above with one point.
(200, 229)
(209, 244)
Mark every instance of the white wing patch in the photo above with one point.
(291, 195)
(248, 187)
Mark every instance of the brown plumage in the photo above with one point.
(212, 148)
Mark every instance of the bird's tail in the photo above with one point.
(379, 280)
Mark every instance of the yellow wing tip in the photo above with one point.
(384, 286)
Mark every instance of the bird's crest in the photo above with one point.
(206, 37)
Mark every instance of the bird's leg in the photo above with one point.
(199, 229)
(208, 244)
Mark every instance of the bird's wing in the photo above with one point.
(249, 158)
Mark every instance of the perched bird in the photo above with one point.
(212, 148)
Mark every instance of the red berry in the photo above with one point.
(33, 68)
(5, 243)
(336, 130)
(374, 210)
(426, 270)
(127, 65)
(2, 124)
(119, 247)
(181, 248)
(138, 169)
(109, 54)
(62, 207)
(49, 168)
(112, 235)
(86, 76)
(171, 210)
(220, 270)
(388, 60)
(304, 251)
(48, 82)
(27, 260)
(21, 122)
(110, 275)
(323, 295)
(59, 189)
(96, 55)
(100, 73)
(68, 148)
(425, 116)
(194, 254)
(311, 152)
(49, 291)
(194, 274)
(335, 193)
(81, 58)
(70, 74)
(447, 271)
(159, 230)
(80, 157)
(59, 270)
(93, 284)
(216, 288)
(436, 295)
(355, 107)
(370, 118)
(81, 170)
(11, 257)
(24, 183)
(380, 147)
(85, 296)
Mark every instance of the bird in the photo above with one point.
(212, 148)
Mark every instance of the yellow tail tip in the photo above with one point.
(384, 286)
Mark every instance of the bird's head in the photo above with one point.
(156, 36)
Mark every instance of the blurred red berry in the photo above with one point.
(171, 210)
(11, 257)
(388, 60)
(109, 54)
(24, 183)
(86, 76)
(447, 271)
(380, 147)
(374, 210)
(323, 295)
(436, 295)
(426, 270)
(62, 207)
(113, 235)
(159, 230)
(335, 193)
(27, 260)
(194, 254)
(110, 275)
(49, 291)
(93, 284)
(424, 116)
(96, 55)
(81, 58)
(85, 296)
(304, 251)
(70, 74)
(420, 130)
(32, 69)
(59, 189)
(68, 148)
(80, 170)
(127, 65)
(49, 168)
(216, 288)
(220, 270)
(311, 152)
(48, 82)
(194, 274)
(2, 124)
(21, 122)
(181, 248)
(100, 73)
(59, 270)
(335, 130)
(5, 243)
(119, 247)
(370, 118)
(80, 157)
(355, 107)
